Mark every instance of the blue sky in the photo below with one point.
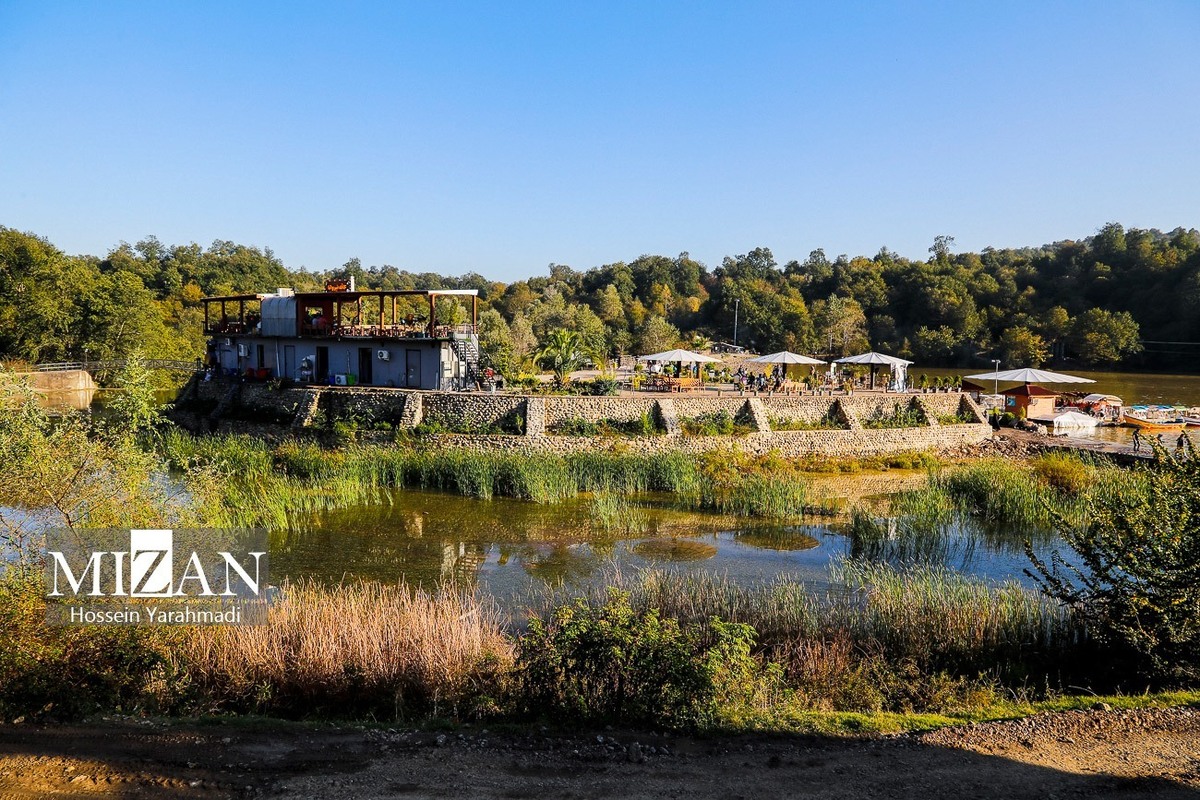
(501, 137)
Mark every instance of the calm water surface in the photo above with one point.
(1133, 388)
(515, 550)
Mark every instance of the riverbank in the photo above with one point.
(1115, 753)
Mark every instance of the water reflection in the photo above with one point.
(513, 549)
(683, 550)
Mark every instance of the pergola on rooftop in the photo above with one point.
(338, 312)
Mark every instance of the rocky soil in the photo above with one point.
(1099, 753)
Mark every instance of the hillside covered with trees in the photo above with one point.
(1128, 298)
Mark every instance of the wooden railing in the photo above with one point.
(115, 364)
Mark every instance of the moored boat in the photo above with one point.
(1157, 422)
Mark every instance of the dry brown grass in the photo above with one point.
(388, 651)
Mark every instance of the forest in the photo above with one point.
(1127, 298)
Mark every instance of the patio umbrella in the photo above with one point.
(682, 356)
(875, 361)
(785, 357)
(1029, 376)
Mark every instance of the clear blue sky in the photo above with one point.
(501, 137)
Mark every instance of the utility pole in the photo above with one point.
(737, 302)
(996, 383)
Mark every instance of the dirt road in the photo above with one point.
(1075, 754)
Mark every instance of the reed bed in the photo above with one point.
(388, 651)
(261, 483)
(998, 491)
(944, 619)
(903, 638)
(614, 513)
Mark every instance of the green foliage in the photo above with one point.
(562, 353)
(1092, 300)
(1105, 337)
(829, 421)
(1020, 345)
(610, 662)
(601, 387)
(68, 671)
(1134, 569)
(645, 425)
(133, 409)
(715, 423)
(898, 416)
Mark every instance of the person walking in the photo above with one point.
(1137, 440)
(1181, 445)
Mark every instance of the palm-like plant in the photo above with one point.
(562, 354)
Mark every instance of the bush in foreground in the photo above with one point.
(610, 662)
(1134, 576)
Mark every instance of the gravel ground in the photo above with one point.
(1099, 753)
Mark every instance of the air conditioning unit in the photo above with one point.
(383, 355)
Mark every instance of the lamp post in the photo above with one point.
(737, 302)
(996, 382)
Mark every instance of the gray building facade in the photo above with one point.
(413, 339)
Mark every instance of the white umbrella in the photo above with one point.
(785, 357)
(1029, 376)
(875, 360)
(682, 356)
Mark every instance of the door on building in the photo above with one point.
(288, 368)
(412, 369)
(260, 356)
(365, 366)
(321, 373)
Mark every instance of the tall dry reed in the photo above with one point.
(388, 651)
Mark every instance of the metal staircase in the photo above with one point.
(467, 350)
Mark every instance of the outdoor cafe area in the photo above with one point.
(782, 373)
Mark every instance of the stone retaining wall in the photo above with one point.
(790, 444)
(539, 415)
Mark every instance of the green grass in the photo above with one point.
(850, 724)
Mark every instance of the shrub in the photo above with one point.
(899, 417)
(717, 423)
(601, 387)
(71, 670)
(1135, 576)
(612, 662)
(642, 426)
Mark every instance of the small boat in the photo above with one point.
(1156, 423)
(1068, 418)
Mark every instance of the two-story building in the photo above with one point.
(413, 338)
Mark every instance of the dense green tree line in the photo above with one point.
(1092, 302)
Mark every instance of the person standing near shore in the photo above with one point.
(1137, 440)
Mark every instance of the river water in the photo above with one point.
(516, 550)
(1132, 387)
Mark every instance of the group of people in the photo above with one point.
(1182, 444)
(776, 381)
